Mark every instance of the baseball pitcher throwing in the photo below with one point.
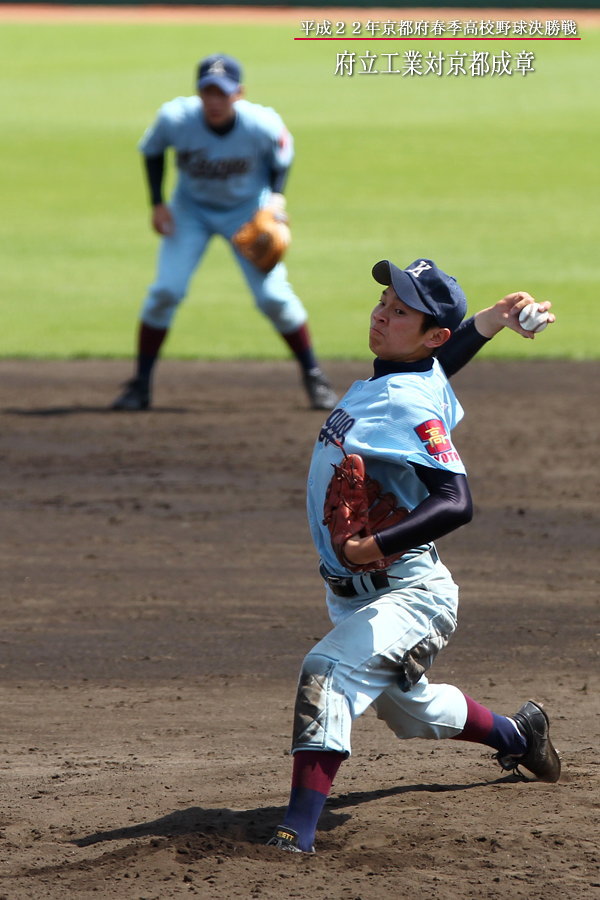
(385, 481)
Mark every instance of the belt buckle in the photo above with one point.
(339, 584)
(342, 587)
(337, 579)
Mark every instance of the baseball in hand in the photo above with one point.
(531, 319)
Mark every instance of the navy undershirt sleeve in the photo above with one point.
(460, 347)
(155, 168)
(278, 180)
(448, 506)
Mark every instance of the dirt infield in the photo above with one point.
(159, 591)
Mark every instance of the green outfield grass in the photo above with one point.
(495, 178)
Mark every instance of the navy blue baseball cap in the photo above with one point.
(423, 286)
(221, 71)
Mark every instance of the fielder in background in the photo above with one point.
(392, 602)
(233, 159)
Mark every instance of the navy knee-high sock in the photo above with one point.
(150, 341)
(486, 727)
(300, 344)
(312, 778)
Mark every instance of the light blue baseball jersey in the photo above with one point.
(221, 171)
(391, 421)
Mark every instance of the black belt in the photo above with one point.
(365, 583)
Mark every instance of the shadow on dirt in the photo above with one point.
(258, 824)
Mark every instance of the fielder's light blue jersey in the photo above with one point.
(391, 421)
(221, 171)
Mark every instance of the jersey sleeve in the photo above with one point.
(433, 445)
(158, 137)
(278, 143)
(415, 428)
(434, 412)
(283, 149)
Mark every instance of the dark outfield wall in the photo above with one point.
(396, 9)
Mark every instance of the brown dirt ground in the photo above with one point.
(147, 685)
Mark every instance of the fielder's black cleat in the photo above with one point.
(320, 393)
(541, 759)
(286, 839)
(136, 396)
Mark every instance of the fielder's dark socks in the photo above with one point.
(312, 777)
(486, 727)
(300, 344)
(149, 343)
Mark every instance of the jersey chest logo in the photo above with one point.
(336, 427)
(196, 164)
(436, 439)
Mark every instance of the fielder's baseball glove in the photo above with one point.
(356, 506)
(265, 238)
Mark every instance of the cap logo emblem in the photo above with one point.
(217, 68)
(418, 270)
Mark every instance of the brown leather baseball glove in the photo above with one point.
(265, 238)
(356, 506)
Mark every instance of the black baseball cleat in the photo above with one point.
(541, 759)
(320, 393)
(286, 839)
(136, 396)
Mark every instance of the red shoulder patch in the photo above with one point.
(284, 140)
(435, 437)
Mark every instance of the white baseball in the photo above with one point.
(531, 319)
